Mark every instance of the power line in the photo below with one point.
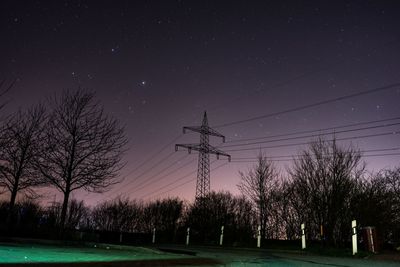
(275, 146)
(294, 158)
(291, 156)
(312, 131)
(251, 158)
(306, 143)
(282, 145)
(148, 159)
(141, 174)
(177, 180)
(155, 175)
(332, 100)
(148, 182)
(316, 135)
(350, 130)
(153, 155)
(170, 173)
(180, 185)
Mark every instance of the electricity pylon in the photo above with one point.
(205, 149)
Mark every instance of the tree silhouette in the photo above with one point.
(117, 215)
(323, 182)
(258, 184)
(377, 203)
(83, 148)
(20, 149)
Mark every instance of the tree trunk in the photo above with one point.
(11, 206)
(64, 208)
(13, 198)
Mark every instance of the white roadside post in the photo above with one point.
(371, 238)
(154, 236)
(354, 236)
(259, 236)
(221, 238)
(120, 237)
(303, 236)
(187, 236)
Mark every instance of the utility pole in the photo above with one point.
(204, 149)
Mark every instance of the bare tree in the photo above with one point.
(244, 220)
(77, 214)
(163, 215)
(118, 215)
(20, 149)
(220, 209)
(258, 184)
(393, 183)
(392, 179)
(84, 147)
(377, 203)
(290, 211)
(323, 181)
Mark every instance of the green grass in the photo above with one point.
(10, 253)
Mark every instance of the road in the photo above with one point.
(261, 257)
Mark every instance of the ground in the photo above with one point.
(264, 257)
(32, 255)
(35, 255)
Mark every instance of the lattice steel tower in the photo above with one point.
(205, 149)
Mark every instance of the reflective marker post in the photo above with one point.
(354, 236)
(154, 236)
(187, 236)
(303, 236)
(259, 236)
(221, 238)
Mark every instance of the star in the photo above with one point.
(115, 49)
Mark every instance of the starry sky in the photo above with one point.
(158, 65)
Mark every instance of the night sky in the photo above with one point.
(158, 65)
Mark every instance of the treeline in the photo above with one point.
(170, 217)
(326, 188)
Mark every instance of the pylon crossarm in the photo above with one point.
(211, 131)
(196, 129)
(189, 147)
(205, 130)
(216, 151)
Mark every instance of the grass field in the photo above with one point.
(42, 255)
